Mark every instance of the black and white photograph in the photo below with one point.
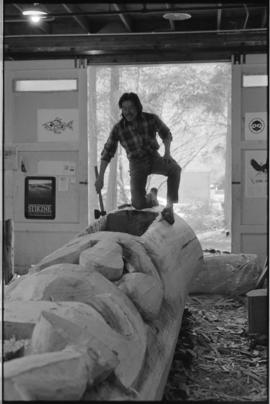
(135, 209)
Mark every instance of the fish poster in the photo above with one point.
(256, 170)
(58, 125)
(39, 198)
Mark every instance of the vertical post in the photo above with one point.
(92, 141)
(8, 251)
(228, 163)
(111, 197)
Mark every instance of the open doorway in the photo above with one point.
(194, 100)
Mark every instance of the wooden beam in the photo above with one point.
(8, 250)
(180, 41)
(80, 20)
(125, 20)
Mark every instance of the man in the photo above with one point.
(136, 132)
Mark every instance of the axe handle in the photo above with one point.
(99, 193)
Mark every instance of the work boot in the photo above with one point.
(167, 214)
(151, 197)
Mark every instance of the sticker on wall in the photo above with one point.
(58, 125)
(49, 167)
(255, 125)
(256, 169)
(39, 198)
(63, 183)
(10, 157)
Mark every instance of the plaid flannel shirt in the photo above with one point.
(138, 142)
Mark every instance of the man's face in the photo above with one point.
(129, 111)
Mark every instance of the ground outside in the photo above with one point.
(215, 359)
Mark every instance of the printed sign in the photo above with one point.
(256, 126)
(256, 170)
(40, 198)
(58, 125)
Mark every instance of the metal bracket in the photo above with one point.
(238, 59)
(80, 63)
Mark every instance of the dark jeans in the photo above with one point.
(152, 164)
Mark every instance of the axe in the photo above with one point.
(101, 212)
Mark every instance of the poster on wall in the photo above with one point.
(58, 125)
(256, 126)
(256, 172)
(39, 198)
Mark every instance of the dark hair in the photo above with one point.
(131, 97)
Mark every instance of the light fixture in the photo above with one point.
(94, 52)
(34, 14)
(177, 16)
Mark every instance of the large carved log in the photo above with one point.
(51, 376)
(144, 319)
(145, 292)
(227, 274)
(105, 257)
(26, 317)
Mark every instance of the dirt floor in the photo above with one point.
(215, 359)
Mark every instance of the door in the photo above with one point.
(46, 175)
(249, 155)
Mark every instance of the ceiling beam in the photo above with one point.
(247, 17)
(171, 22)
(125, 20)
(219, 15)
(264, 18)
(79, 20)
(159, 10)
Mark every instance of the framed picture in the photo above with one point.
(39, 198)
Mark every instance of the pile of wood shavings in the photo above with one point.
(215, 359)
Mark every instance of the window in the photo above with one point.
(255, 80)
(46, 85)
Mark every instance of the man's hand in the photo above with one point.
(99, 184)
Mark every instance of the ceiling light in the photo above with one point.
(94, 52)
(34, 12)
(34, 15)
(177, 16)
